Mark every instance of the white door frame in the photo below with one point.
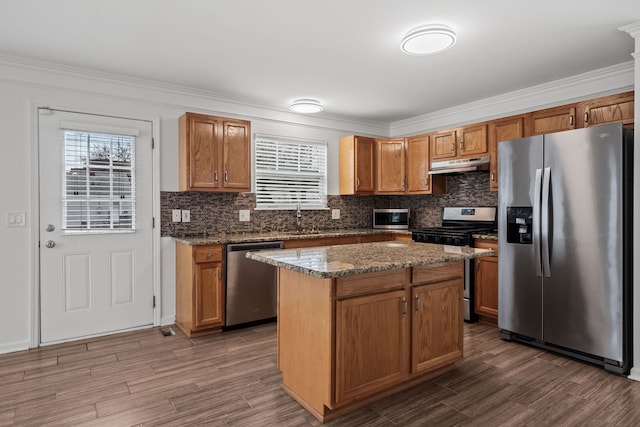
(34, 338)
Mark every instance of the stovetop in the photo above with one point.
(458, 226)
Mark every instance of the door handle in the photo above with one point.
(544, 221)
(417, 303)
(50, 244)
(537, 196)
(50, 227)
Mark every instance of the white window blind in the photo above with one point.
(290, 173)
(98, 191)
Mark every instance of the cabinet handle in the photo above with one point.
(417, 303)
(357, 182)
(453, 146)
(493, 176)
(571, 120)
(586, 118)
(215, 175)
(404, 306)
(462, 145)
(477, 265)
(226, 176)
(209, 255)
(219, 274)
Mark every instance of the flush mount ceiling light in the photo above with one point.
(428, 39)
(305, 106)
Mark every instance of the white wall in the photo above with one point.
(26, 84)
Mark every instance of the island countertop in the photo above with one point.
(347, 260)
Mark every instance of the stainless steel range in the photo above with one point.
(459, 224)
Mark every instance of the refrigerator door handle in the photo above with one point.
(545, 219)
(536, 221)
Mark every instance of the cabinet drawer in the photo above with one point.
(208, 253)
(437, 272)
(370, 283)
(487, 244)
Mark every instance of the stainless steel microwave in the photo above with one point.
(391, 219)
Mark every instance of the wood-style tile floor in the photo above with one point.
(145, 378)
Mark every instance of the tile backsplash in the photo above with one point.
(214, 213)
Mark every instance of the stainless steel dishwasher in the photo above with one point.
(251, 285)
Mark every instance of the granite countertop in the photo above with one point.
(486, 236)
(346, 260)
(223, 238)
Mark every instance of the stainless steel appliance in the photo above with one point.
(251, 285)
(565, 236)
(460, 165)
(391, 219)
(459, 224)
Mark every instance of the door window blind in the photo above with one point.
(290, 173)
(98, 191)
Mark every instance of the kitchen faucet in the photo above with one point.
(298, 218)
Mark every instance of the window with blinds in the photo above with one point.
(290, 173)
(98, 191)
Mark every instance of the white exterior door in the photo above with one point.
(96, 238)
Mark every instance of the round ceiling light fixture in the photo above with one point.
(428, 39)
(306, 106)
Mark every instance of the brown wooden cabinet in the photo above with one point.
(502, 130)
(418, 179)
(608, 109)
(467, 141)
(551, 120)
(199, 288)
(214, 153)
(486, 282)
(357, 165)
(371, 344)
(390, 166)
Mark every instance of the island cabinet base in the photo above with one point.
(348, 341)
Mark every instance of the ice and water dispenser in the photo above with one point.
(519, 225)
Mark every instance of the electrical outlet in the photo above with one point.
(186, 215)
(176, 215)
(335, 213)
(245, 215)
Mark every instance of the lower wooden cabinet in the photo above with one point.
(344, 341)
(199, 288)
(486, 282)
(342, 240)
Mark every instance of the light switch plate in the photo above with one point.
(186, 215)
(176, 215)
(16, 219)
(245, 215)
(335, 213)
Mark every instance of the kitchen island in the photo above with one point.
(360, 322)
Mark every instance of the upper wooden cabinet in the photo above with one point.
(357, 165)
(390, 166)
(467, 141)
(609, 109)
(214, 153)
(418, 179)
(502, 130)
(551, 120)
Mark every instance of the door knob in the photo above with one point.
(50, 244)
(50, 227)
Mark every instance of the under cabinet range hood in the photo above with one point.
(460, 165)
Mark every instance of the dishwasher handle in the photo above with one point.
(256, 246)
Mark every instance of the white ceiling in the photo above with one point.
(344, 53)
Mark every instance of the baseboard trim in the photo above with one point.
(14, 346)
(167, 320)
(634, 374)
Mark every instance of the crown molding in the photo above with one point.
(632, 29)
(601, 82)
(32, 72)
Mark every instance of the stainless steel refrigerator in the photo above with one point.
(565, 242)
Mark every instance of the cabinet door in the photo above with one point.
(609, 109)
(364, 167)
(371, 343)
(437, 325)
(443, 145)
(487, 286)
(236, 147)
(502, 130)
(203, 152)
(418, 178)
(472, 140)
(209, 295)
(390, 164)
(551, 120)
